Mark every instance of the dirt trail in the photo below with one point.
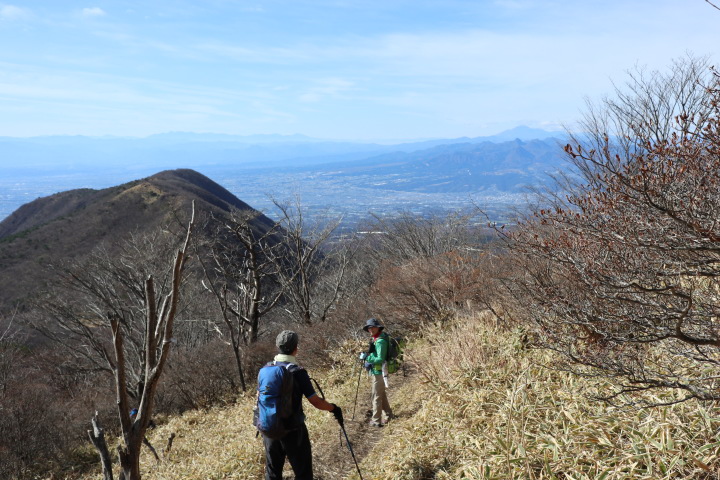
(331, 457)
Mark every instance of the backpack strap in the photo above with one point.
(291, 367)
(288, 364)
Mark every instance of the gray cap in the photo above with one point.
(287, 341)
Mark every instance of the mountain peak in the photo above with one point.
(523, 132)
(70, 224)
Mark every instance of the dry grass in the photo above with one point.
(490, 411)
(220, 443)
(215, 444)
(476, 406)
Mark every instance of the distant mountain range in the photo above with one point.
(63, 154)
(350, 178)
(457, 168)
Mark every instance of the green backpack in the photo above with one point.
(394, 357)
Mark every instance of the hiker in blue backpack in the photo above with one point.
(282, 423)
(375, 359)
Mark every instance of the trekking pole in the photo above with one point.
(357, 390)
(342, 428)
(347, 440)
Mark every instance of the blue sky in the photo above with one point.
(361, 70)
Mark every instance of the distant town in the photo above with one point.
(351, 180)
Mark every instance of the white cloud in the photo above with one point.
(36, 100)
(331, 87)
(93, 12)
(11, 12)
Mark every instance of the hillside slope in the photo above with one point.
(483, 409)
(70, 224)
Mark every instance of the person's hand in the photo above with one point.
(337, 412)
(368, 366)
(363, 355)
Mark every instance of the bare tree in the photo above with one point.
(36, 393)
(109, 282)
(241, 274)
(116, 317)
(311, 268)
(648, 109)
(9, 348)
(622, 277)
(407, 236)
(424, 268)
(158, 340)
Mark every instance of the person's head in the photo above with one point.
(373, 326)
(287, 342)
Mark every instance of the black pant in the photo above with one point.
(295, 446)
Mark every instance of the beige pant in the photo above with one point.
(379, 399)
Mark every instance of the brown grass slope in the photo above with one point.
(475, 405)
(70, 224)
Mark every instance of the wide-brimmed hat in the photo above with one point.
(373, 322)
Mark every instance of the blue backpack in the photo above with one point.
(273, 412)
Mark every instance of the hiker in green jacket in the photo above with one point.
(375, 363)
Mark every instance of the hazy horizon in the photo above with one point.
(290, 136)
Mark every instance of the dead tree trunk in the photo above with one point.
(97, 437)
(158, 340)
